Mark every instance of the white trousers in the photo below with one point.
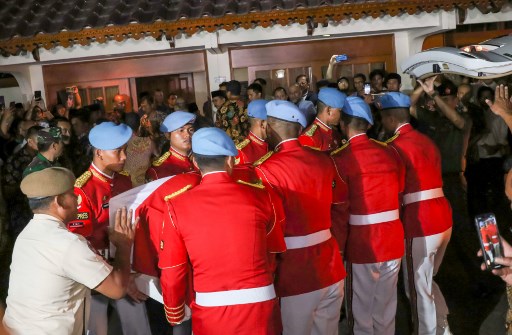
(371, 297)
(313, 313)
(133, 316)
(422, 260)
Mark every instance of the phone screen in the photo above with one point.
(490, 240)
(37, 95)
(367, 89)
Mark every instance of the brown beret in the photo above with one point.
(48, 182)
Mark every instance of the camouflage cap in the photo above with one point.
(49, 135)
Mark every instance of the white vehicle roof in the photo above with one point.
(489, 59)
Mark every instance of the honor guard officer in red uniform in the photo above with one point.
(103, 180)
(178, 128)
(320, 135)
(310, 273)
(427, 216)
(375, 242)
(253, 147)
(234, 293)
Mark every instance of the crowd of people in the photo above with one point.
(279, 209)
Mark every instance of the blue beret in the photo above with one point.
(109, 136)
(332, 97)
(355, 106)
(285, 110)
(212, 141)
(393, 100)
(176, 120)
(256, 108)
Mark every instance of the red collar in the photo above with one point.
(255, 138)
(177, 154)
(404, 129)
(216, 177)
(358, 138)
(100, 175)
(287, 145)
(322, 125)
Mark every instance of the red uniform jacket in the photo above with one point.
(169, 164)
(146, 245)
(94, 190)
(422, 172)
(303, 178)
(223, 227)
(251, 149)
(375, 179)
(320, 136)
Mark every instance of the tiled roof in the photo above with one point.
(29, 24)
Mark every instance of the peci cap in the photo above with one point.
(176, 120)
(109, 136)
(393, 100)
(212, 141)
(256, 108)
(49, 135)
(49, 182)
(219, 93)
(234, 87)
(286, 111)
(355, 106)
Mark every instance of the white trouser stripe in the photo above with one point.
(375, 218)
(297, 242)
(409, 198)
(235, 297)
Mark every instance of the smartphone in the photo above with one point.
(69, 90)
(341, 58)
(37, 95)
(367, 88)
(490, 240)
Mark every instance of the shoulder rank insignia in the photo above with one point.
(82, 180)
(334, 152)
(175, 194)
(243, 144)
(161, 159)
(264, 158)
(379, 142)
(258, 184)
(311, 130)
(394, 137)
(124, 173)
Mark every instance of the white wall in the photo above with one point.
(11, 94)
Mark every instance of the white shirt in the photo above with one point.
(52, 272)
(496, 135)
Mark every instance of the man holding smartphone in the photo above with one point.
(426, 214)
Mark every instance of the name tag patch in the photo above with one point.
(76, 225)
(82, 216)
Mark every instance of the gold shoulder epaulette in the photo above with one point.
(161, 159)
(82, 180)
(379, 142)
(334, 152)
(264, 158)
(183, 190)
(243, 144)
(259, 184)
(311, 130)
(124, 173)
(394, 137)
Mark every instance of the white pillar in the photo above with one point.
(30, 79)
(218, 63)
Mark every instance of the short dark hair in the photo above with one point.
(40, 203)
(57, 119)
(224, 83)
(255, 87)
(360, 75)
(32, 131)
(81, 114)
(44, 146)
(300, 76)
(260, 81)
(209, 162)
(234, 87)
(354, 122)
(482, 90)
(148, 99)
(401, 114)
(280, 88)
(320, 106)
(377, 72)
(393, 75)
